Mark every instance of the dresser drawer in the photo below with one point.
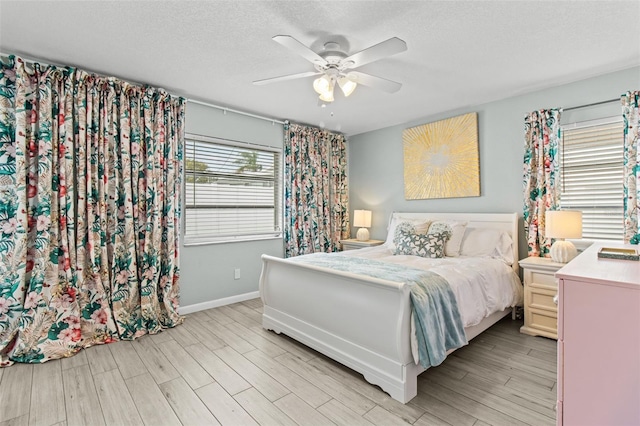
(542, 299)
(544, 321)
(543, 278)
(352, 244)
(540, 287)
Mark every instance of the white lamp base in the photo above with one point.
(363, 234)
(563, 251)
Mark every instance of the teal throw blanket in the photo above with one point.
(436, 317)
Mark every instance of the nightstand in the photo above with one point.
(353, 244)
(540, 288)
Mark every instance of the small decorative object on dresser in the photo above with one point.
(353, 244)
(540, 290)
(618, 253)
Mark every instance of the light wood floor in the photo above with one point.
(221, 367)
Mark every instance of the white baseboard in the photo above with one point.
(184, 310)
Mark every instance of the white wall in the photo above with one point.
(376, 178)
(207, 271)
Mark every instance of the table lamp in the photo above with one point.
(362, 220)
(561, 224)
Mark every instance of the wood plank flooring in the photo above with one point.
(221, 367)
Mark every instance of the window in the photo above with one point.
(591, 157)
(232, 191)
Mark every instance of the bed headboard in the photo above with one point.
(503, 221)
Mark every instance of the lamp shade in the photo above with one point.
(362, 218)
(347, 86)
(563, 224)
(327, 96)
(321, 85)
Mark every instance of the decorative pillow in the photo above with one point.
(439, 227)
(425, 245)
(455, 229)
(402, 237)
(421, 225)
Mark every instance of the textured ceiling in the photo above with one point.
(460, 53)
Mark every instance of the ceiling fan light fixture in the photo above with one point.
(322, 84)
(337, 66)
(327, 96)
(347, 86)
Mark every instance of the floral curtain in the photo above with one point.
(541, 189)
(631, 116)
(90, 178)
(316, 192)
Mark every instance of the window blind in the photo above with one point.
(591, 157)
(232, 191)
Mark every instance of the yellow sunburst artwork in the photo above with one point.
(441, 159)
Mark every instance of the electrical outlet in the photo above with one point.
(236, 274)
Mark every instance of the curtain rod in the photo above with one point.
(235, 111)
(593, 104)
(224, 109)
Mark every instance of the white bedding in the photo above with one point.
(481, 285)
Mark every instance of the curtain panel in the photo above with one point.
(316, 212)
(541, 188)
(631, 167)
(90, 192)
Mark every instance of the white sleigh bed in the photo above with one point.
(361, 321)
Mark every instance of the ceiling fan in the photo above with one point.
(336, 66)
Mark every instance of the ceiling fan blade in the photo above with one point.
(286, 77)
(302, 50)
(381, 50)
(380, 83)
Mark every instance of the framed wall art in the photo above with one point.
(441, 159)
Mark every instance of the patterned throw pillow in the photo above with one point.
(401, 237)
(452, 248)
(431, 245)
(440, 227)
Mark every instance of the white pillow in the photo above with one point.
(452, 249)
(421, 225)
(488, 242)
(504, 250)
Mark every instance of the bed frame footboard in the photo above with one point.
(361, 322)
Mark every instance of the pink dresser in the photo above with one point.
(599, 340)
